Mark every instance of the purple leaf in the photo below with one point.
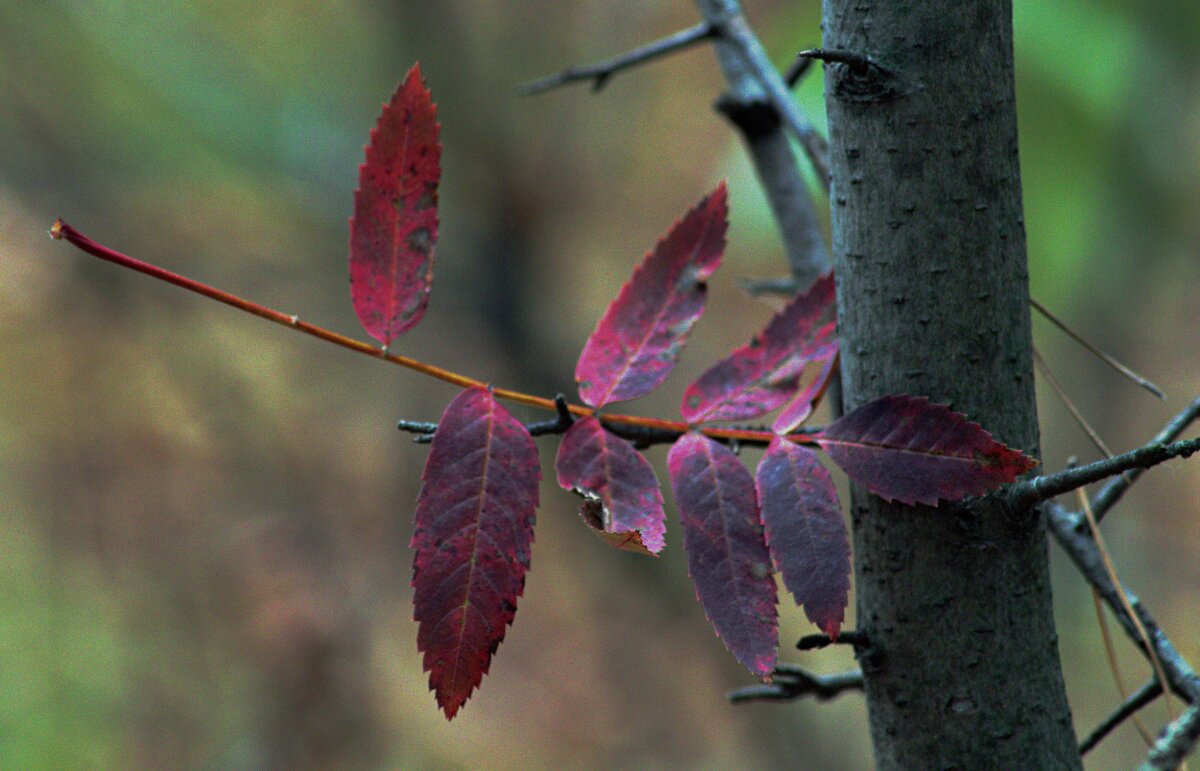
(806, 534)
(760, 376)
(801, 405)
(604, 468)
(726, 550)
(474, 529)
(395, 223)
(907, 449)
(638, 340)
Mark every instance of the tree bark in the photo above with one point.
(929, 251)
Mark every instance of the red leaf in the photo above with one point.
(395, 223)
(905, 448)
(474, 528)
(806, 534)
(592, 513)
(604, 468)
(638, 340)
(760, 376)
(726, 550)
(801, 406)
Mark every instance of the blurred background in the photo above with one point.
(205, 518)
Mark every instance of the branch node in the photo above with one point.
(863, 80)
(791, 682)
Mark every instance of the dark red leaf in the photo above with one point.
(801, 405)
(474, 528)
(395, 223)
(638, 340)
(760, 376)
(907, 449)
(592, 513)
(603, 467)
(726, 550)
(806, 534)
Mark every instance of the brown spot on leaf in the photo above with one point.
(420, 241)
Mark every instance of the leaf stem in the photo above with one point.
(62, 231)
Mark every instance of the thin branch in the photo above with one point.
(601, 71)
(1104, 357)
(1061, 393)
(1112, 492)
(1111, 571)
(1023, 495)
(660, 430)
(1178, 740)
(1128, 708)
(1110, 653)
(791, 682)
(1083, 552)
(558, 425)
(796, 72)
(812, 642)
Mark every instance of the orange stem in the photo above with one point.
(61, 230)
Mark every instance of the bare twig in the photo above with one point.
(1023, 495)
(791, 682)
(1110, 652)
(601, 71)
(1112, 492)
(1104, 357)
(424, 431)
(1082, 550)
(795, 73)
(1178, 741)
(1061, 393)
(641, 436)
(1111, 571)
(851, 59)
(1128, 708)
(812, 642)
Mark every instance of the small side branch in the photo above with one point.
(1023, 495)
(600, 72)
(425, 431)
(1178, 740)
(1138, 699)
(791, 682)
(1112, 492)
(812, 642)
(1082, 550)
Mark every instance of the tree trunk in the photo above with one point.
(929, 249)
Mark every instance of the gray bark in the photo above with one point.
(929, 251)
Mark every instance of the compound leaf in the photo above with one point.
(726, 550)
(474, 529)
(907, 449)
(395, 222)
(637, 341)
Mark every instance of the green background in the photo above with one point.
(205, 518)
